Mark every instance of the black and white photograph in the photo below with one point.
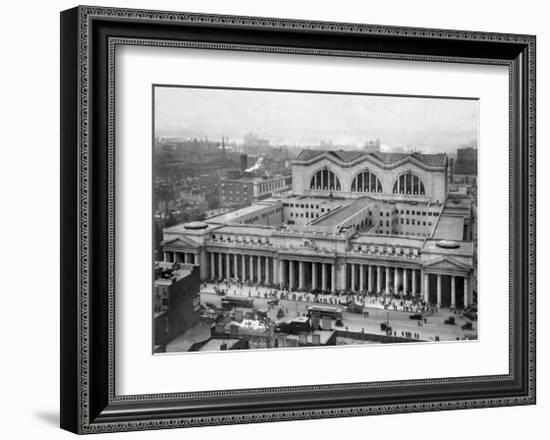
(295, 219)
(288, 216)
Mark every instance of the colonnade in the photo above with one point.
(180, 257)
(256, 268)
(466, 291)
(381, 279)
(329, 276)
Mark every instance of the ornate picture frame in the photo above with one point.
(89, 36)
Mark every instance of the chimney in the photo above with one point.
(244, 162)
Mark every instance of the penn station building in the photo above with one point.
(376, 223)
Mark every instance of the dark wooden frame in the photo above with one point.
(88, 37)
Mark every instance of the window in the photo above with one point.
(409, 183)
(325, 180)
(366, 181)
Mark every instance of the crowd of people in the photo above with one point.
(385, 301)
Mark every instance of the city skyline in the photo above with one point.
(419, 123)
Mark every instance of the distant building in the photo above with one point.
(466, 161)
(238, 192)
(372, 146)
(252, 142)
(176, 305)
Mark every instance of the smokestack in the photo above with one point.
(244, 162)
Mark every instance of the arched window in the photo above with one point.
(409, 184)
(325, 180)
(366, 181)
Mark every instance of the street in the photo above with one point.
(369, 321)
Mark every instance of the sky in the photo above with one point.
(306, 119)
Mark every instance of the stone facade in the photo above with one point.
(348, 246)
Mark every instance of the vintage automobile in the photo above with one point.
(355, 307)
(467, 326)
(417, 316)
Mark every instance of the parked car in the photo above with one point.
(467, 326)
(417, 316)
(450, 320)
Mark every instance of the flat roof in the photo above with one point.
(246, 229)
(387, 240)
(215, 344)
(183, 271)
(338, 216)
(449, 228)
(226, 217)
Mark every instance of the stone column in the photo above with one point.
(313, 275)
(291, 274)
(301, 274)
(212, 266)
(361, 278)
(220, 266)
(466, 293)
(196, 259)
(236, 266)
(267, 264)
(324, 276)
(259, 274)
(333, 277)
(276, 279)
(282, 280)
(371, 276)
(343, 275)
(165, 257)
(243, 267)
(395, 279)
(378, 279)
(251, 268)
(405, 281)
(387, 280)
(413, 275)
(427, 287)
(352, 281)
(228, 265)
(453, 292)
(438, 290)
